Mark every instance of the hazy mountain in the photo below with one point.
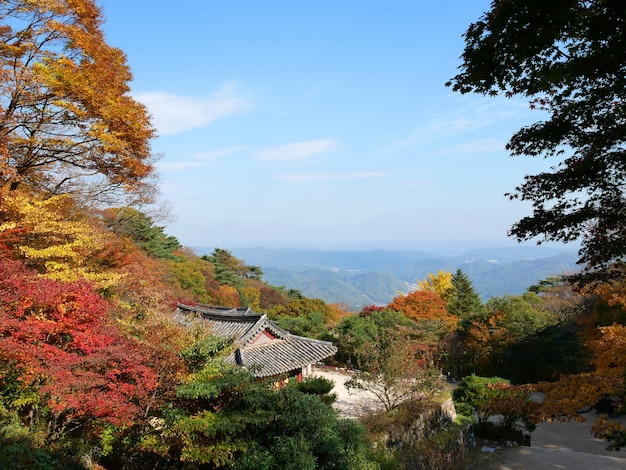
(359, 278)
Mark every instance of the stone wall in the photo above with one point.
(432, 439)
(425, 425)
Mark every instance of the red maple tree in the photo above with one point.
(56, 338)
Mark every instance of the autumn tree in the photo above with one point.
(59, 350)
(271, 297)
(68, 122)
(497, 343)
(568, 59)
(54, 237)
(305, 307)
(574, 394)
(560, 298)
(440, 283)
(426, 308)
(191, 278)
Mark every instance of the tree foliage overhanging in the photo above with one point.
(67, 120)
(568, 58)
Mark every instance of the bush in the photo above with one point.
(474, 394)
(319, 386)
(483, 397)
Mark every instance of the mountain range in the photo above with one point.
(359, 278)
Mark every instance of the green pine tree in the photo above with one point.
(463, 301)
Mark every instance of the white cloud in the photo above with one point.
(218, 153)
(316, 177)
(296, 150)
(175, 114)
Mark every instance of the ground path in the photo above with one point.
(350, 403)
(556, 446)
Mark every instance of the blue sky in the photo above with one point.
(321, 124)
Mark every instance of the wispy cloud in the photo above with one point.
(200, 160)
(463, 117)
(296, 150)
(214, 154)
(175, 114)
(317, 177)
(483, 145)
(441, 126)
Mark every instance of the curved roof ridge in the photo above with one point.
(223, 313)
(310, 340)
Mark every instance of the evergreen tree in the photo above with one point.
(140, 228)
(463, 301)
(230, 270)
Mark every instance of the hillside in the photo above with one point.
(360, 278)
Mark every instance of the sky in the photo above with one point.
(326, 124)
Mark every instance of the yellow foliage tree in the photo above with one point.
(54, 240)
(440, 283)
(252, 297)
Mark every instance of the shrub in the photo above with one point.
(319, 386)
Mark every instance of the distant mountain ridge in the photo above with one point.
(360, 278)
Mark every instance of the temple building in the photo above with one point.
(259, 344)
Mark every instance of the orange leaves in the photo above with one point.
(337, 312)
(614, 291)
(71, 115)
(225, 295)
(605, 429)
(574, 393)
(609, 350)
(420, 305)
(424, 306)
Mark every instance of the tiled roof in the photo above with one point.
(286, 352)
(282, 355)
(230, 323)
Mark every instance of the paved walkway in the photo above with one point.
(557, 446)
